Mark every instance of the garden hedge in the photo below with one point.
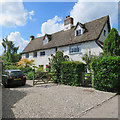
(106, 73)
(72, 73)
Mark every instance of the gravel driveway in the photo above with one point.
(49, 101)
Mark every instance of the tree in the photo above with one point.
(112, 43)
(55, 63)
(10, 51)
(24, 62)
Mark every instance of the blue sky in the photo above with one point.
(37, 18)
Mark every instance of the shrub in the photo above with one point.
(55, 63)
(106, 72)
(112, 43)
(72, 73)
(26, 70)
(29, 75)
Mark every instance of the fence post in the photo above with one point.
(33, 76)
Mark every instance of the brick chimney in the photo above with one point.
(32, 37)
(68, 23)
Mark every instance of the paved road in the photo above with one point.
(51, 101)
(109, 109)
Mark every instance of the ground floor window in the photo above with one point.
(35, 54)
(41, 66)
(42, 53)
(27, 55)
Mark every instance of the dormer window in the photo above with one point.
(79, 29)
(46, 39)
(78, 32)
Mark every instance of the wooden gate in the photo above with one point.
(44, 78)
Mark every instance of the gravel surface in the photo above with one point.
(49, 100)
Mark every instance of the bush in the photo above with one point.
(29, 75)
(26, 70)
(72, 73)
(55, 63)
(106, 72)
(112, 43)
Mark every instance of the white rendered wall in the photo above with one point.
(102, 37)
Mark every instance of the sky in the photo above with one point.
(19, 20)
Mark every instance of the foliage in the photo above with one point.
(88, 58)
(55, 63)
(106, 72)
(29, 75)
(112, 43)
(72, 73)
(10, 51)
(24, 62)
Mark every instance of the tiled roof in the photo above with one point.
(63, 38)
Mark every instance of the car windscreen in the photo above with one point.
(16, 73)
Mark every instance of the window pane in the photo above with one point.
(42, 53)
(27, 55)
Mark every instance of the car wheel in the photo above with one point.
(23, 84)
(6, 84)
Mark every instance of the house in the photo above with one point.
(73, 40)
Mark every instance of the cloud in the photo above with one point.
(51, 26)
(18, 40)
(13, 14)
(31, 14)
(83, 12)
(87, 11)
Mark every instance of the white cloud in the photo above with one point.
(87, 11)
(18, 40)
(31, 14)
(51, 26)
(83, 12)
(13, 13)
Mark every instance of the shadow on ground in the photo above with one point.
(9, 98)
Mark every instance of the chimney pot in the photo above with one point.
(32, 37)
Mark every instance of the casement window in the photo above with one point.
(35, 54)
(42, 53)
(78, 32)
(104, 32)
(27, 55)
(74, 49)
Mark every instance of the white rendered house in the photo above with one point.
(73, 40)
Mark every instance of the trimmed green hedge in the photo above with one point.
(106, 73)
(72, 73)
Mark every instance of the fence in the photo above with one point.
(44, 78)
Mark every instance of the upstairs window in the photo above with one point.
(74, 49)
(78, 32)
(45, 40)
(27, 55)
(42, 53)
(35, 54)
(104, 32)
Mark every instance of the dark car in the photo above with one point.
(13, 78)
